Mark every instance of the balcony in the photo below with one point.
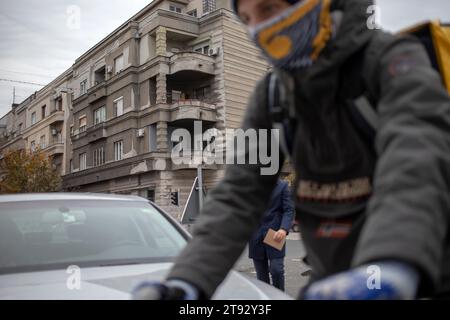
(55, 117)
(192, 109)
(178, 23)
(55, 148)
(191, 62)
(153, 161)
(97, 92)
(96, 132)
(89, 135)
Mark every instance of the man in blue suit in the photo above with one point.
(279, 217)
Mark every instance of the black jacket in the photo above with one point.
(357, 203)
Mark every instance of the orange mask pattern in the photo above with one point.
(296, 37)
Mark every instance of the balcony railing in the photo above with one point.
(56, 116)
(97, 92)
(55, 145)
(192, 61)
(184, 99)
(56, 109)
(56, 140)
(91, 133)
(193, 109)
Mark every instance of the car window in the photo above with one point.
(46, 234)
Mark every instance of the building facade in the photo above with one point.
(38, 123)
(170, 65)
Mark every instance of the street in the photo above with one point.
(294, 266)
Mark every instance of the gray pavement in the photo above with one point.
(293, 265)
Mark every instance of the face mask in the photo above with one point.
(294, 39)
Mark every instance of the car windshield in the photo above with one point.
(41, 235)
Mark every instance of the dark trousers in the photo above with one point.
(273, 266)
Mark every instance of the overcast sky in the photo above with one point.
(41, 39)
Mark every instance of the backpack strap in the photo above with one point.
(365, 117)
(281, 113)
(363, 106)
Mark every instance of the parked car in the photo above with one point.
(94, 246)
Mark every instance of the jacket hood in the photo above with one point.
(318, 95)
(352, 34)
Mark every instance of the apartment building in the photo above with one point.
(38, 123)
(171, 64)
(108, 120)
(11, 126)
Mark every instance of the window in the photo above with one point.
(100, 75)
(82, 124)
(202, 93)
(118, 64)
(83, 87)
(175, 8)
(42, 142)
(58, 104)
(152, 91)
(43, 111)
(118, 107)
(71, 130)
(202, 48)
(33, 146)
(175, 96)
(100, 115)
(152, 138)
(118, 150)
(33, 118)
(151, 195)
(98, 157)
(170, 131)
(83, 161)
(209, 6)
(70, 166)
(89, 232)
(192, 13)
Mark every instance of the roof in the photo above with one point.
(111, 35)
(67, 196)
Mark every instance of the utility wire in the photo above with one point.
(26, 73)
(23, 82)
(33, 83)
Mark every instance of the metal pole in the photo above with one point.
(200, 186)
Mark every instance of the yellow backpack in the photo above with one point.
(436, 38)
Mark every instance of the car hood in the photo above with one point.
(116, 283)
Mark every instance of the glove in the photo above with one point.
(169, 290)
(397, 281)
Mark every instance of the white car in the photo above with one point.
(66, 246)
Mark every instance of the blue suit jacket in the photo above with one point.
(279, 215)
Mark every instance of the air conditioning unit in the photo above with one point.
(109, 69)
(54, 132)
(141, 133)
(214, 52)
